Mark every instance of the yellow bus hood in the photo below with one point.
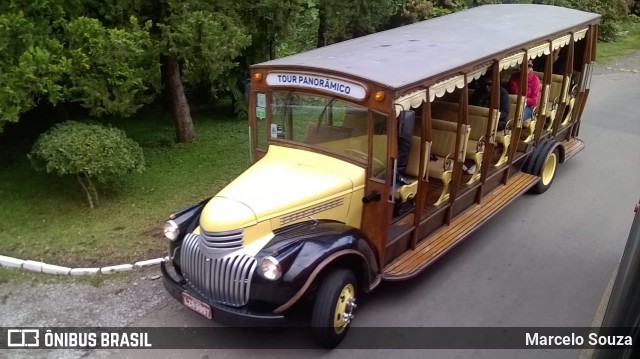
(285, 181)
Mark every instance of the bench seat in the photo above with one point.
(528, 125)
(443, 147)
(478, 118)
(558, 93)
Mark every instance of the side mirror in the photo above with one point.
(406, 123)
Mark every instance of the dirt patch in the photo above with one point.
(117, 302)
(629, 63)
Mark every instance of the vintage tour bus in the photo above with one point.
(375, 156)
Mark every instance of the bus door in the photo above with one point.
(377, 205)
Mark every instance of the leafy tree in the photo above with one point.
(198, 39)
(612, 11)
(270, 22)
(97, 54)
(305, 34)
(410, 11)
(90, 152)
(31, 65)
(49, 52)
(114, 71)
(112, 13)
(276, 28)
(199, 42)
(342, 20)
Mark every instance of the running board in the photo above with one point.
(415, 261)
(572, 147)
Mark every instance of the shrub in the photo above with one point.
(609, 31)
(88, 151)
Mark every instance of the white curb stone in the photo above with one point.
(32, 266)
(118, 268)
(147, 263)
(54, 269)
(10, 262)
(41, 267)
(84, 271)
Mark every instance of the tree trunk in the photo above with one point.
(272, 49)
(62, 112)
(185, 132)
(85, 190)
(93, 189)
(322, 27)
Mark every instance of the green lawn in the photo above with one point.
(47, 218)
(627, 43)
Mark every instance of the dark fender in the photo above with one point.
(187, 220)
(304, 251)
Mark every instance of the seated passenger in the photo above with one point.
(533, 90)
(482, 96)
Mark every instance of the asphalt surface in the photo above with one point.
(544, 262)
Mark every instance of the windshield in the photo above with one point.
(319, 121)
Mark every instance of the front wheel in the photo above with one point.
(333, 308)
(547, 172)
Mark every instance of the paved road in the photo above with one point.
(545, 261)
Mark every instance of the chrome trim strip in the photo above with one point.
(312, 210)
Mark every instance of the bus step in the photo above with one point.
(572, 147)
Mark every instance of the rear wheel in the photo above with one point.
(333, 307)
(547, 172)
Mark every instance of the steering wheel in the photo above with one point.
(378, 166)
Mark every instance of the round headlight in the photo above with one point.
(271, 268)
(171, 230)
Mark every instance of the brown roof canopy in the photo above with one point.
(425, 50)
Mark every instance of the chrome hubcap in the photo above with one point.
(345, 306)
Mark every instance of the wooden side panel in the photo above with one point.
(432, 222)
(398, 245)
(414, 262)
(465, 200)
(491, 183)
(376, 216)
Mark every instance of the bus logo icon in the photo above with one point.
(23, 338)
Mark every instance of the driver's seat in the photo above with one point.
(356, 118)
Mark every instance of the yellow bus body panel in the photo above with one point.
(286, 186)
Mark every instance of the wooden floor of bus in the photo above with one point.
(445, 238)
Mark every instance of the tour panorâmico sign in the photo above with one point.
(322, 83)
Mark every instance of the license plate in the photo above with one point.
(196, 305)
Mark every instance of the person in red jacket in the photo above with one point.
(533, 90)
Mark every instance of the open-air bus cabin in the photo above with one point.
(374, 156)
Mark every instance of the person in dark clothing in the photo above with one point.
(482, 96)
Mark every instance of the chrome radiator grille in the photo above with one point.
(225, 280)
